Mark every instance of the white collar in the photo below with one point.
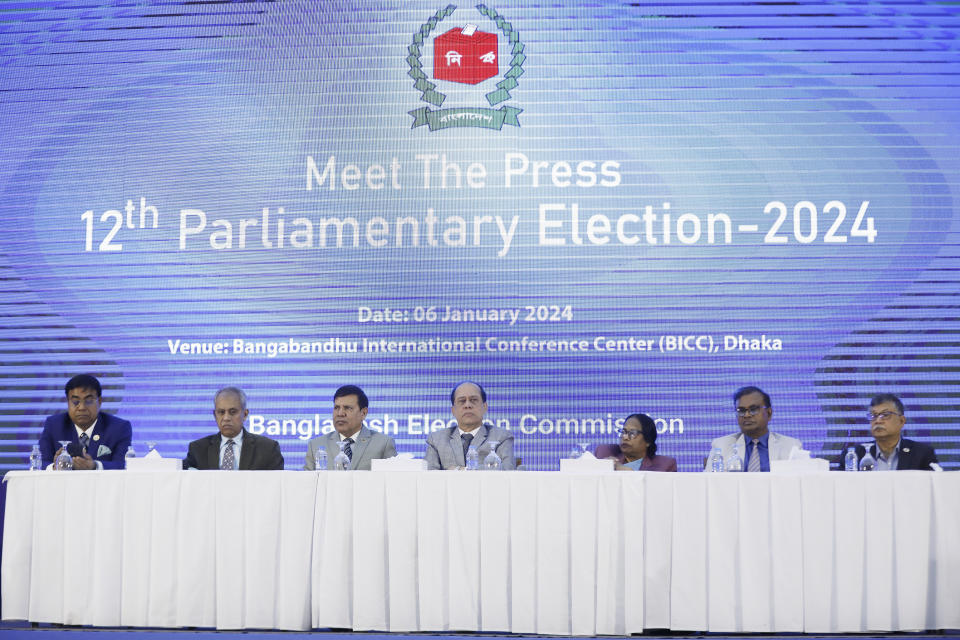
(237, 439)
(354, 437)
(88, 430)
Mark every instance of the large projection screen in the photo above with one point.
(591, 210)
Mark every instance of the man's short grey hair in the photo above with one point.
(237, 391)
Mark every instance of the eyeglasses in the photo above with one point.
(749, 411)
(628, 434)
(882, 416)
(88, 401)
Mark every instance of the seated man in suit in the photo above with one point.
(234, 447)
(361, 444)
(447, 448)
(892, 451)
(755, 444)
(97, 440)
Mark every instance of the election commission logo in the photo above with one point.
(465, 55)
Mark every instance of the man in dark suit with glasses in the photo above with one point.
(890, 449)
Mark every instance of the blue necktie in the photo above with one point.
(347, 449)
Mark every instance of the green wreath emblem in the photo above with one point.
(465, 116)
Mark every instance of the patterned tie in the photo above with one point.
(347, 449)
(84, 441)
(467, 439)
(755, 457)
(227, 463)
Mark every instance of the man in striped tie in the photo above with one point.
(233, 448)
(98, 440)
(361, 444)
(755, 445)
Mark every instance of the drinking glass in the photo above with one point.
(341, 462)
(492, 461)
(734, 462)
(64, 461)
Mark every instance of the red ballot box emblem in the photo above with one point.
(465, 55)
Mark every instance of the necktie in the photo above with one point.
(84, 441)
(755, 457)
(228, 457)
(467, 439)
(347, 449)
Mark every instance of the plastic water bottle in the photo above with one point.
(716, 460)
(850, 460)
(320, 459)
(35, 458)
(473, 459)
(734, 463)
(868, 462)
(129, 455)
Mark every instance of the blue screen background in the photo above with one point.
(713, 108)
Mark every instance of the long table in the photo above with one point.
(523, 552)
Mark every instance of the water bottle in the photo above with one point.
(734, 463)
(129, 455)
(320, 458)
(850, 460)
(473, 459)
(716, 460)
(35, 458)
(867, 462)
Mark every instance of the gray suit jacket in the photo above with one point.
(778, 447)
(369, 445)
(445, 449)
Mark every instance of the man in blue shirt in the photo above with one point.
(756, 445)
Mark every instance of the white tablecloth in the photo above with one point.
(523, 552)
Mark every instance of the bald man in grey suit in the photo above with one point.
(446, 448)
(349, 409)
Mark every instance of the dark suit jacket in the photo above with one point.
(111, 434)
(913, 455)
(258, 453)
